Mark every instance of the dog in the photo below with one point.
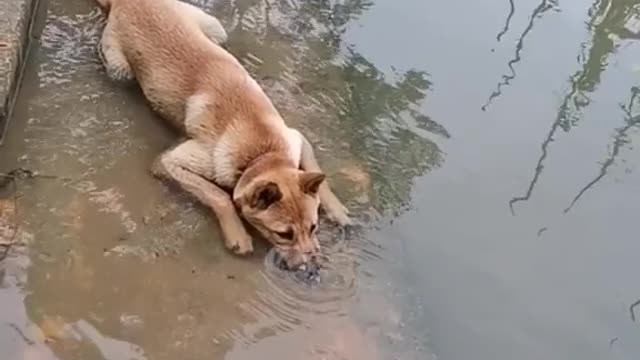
(239, 157)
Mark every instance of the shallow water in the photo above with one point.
(485, 148)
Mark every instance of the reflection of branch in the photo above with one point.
(631, 310)
(512, 10)
(575, 81)
(578, 82)
(538, 170)
(544, 6)
(618, 142)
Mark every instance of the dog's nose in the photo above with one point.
(313, 250)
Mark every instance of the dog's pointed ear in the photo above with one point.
(310, 182)
(264, 194)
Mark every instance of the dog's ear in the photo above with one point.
(310, 182)
(264, 194)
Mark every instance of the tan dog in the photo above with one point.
(237, 141)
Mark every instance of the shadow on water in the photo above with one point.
(607, 22)
(121, 266)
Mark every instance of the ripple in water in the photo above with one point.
(70, 42)
(287, 303)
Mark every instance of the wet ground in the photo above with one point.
(486, 149)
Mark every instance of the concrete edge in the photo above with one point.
(17, 18)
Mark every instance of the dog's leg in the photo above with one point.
(114, 60)
(209, 25)
(331, 204)
(190, 165)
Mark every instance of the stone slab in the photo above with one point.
(15, 24)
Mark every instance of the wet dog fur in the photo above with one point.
(240, 158)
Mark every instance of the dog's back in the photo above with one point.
(174, 60)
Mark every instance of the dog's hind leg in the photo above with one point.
(328, 200)
(113, 59)
(190, 165)
(209, 25)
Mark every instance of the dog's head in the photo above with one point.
(283, 205)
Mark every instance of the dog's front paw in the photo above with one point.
(242, 249)
(239, 242)
(339, 214)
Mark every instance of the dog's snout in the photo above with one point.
(304, 252)
(296, 263)
(298, 260)
(310, 247)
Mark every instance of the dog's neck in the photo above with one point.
(265, 162)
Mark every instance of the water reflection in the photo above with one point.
(611, 22)
(621, 138)
(507, 23)
(538, 12)
(380, 122)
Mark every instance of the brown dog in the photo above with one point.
(237, 141)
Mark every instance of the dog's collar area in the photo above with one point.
(257, 165)
(274, 158)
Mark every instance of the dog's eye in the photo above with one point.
(287, 235)
(313, 228)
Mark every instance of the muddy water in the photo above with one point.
(486, 149)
